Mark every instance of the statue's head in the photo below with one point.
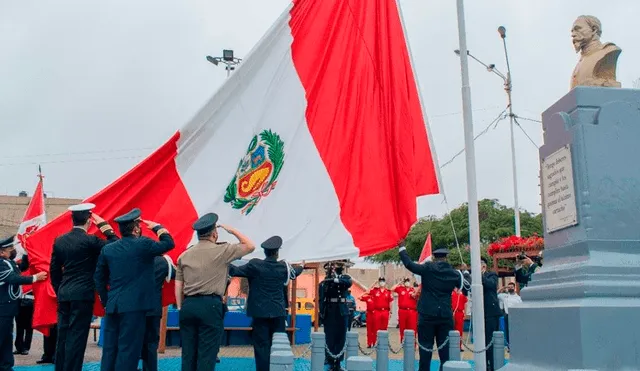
(586, 29)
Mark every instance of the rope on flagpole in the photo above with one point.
(453, 227)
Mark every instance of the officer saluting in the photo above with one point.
(10, 281)
(126, 267)
(435, 317)
(73, 263)
(266, 303)
(163, 271)
(334, 310)
(201, 279)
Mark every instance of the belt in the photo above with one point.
(408, 308)
(204, 296)
(335, 300)
(27, 296)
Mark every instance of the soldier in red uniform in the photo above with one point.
(458, 303)
(382, 298)
(371, 324)
(407, 307)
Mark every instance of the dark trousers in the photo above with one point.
(335, 329)
(24, 330)
(201, 331)
(74, 320)
(49, 345)
(491, 324)
(150, 346)
(262, 336)
(429, 328)
(123, 338)
(6, 338)
(506, 328)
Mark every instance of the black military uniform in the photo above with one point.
(24, 319)
(73, 263)
(492, 311)
(10, 281)
(266, 301)
(435, 317)
(126, 267)
(334, 311)
(164, 271)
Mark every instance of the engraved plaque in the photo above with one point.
(558, 192)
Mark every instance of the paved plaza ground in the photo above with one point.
(235, 354)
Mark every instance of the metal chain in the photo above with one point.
(336, 356)
(431, 350)
(367, 353)
(305, 352)
(478, 351)
(399, 349)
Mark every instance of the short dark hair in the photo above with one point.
(126, 229)
(270, 253)
(205, 235)
(511, 283)
(80, 218)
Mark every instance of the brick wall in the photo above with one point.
(12, 209)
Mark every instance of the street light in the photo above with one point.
(227, 59)
(507, 88)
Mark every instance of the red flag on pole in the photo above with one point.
(33, 219)
(425, 255)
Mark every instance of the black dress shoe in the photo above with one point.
(17, 352)
(45, 361)
(217, 359)
(24, 353)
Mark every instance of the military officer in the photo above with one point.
(10, 281)
(266, 303)
(163, 271)
(334, 310)
(201, 280)
(125, 267)
(435, 317)
(492, 311)
(73, 263)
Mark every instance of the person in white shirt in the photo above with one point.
(508, 298)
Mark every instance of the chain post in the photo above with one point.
(281, 361)
(454, 346)
(456, 366)
(317, 351)
(498, 350)
(352, 344)
(359, 363)
(409, 348)
(382, 351)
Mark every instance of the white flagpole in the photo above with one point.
(472, 195)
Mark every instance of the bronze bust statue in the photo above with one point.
(597, 65)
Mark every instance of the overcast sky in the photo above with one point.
(88, 88)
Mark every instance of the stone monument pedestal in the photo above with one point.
(582, 308)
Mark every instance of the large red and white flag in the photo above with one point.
(34, 218)
(318, 137)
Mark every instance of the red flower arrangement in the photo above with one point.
(515, 243)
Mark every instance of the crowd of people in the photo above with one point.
(128, 273)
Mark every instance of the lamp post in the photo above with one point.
(507, 88)
(227, 59)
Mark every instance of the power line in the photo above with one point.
(460, 112)
(525, 133)
(78, 153)
(528, 119)
(494, 123)
(70, 161)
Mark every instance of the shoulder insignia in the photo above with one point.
(257, 172)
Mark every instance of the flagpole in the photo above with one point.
(477, 313)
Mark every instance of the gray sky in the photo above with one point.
(110, 81)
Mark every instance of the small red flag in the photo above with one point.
(425, 255)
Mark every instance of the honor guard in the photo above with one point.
(334, 310)
(163, 271)
(435, 317)
(10, 282)
(266, 303)
(201, 281)
(73, 263)
(24, 319)
(124, 280)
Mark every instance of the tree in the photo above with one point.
(496, 221)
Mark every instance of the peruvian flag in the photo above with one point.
(33, 219)
(319, 137)
(425, 255)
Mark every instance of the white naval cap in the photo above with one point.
(81, 207)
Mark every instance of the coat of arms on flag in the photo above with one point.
(257, 172)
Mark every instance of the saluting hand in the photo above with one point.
(150, 224)
(97, 218)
